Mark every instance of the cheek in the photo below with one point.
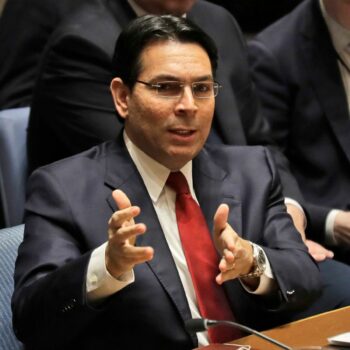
(208, 114)
(156, 112)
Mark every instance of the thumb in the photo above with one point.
(220, 218)
(121, 199)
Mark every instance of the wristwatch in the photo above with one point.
(259, 262)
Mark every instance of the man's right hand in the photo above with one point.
(121, 253)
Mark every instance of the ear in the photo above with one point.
(120, 93)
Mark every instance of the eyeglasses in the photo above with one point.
(173, 89)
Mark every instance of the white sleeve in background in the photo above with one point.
(100, 283)
(329, 229)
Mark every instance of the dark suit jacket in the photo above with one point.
(298, 79)
(72, 107)
(25, 27)
(68, 208)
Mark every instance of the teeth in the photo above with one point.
(183, 132)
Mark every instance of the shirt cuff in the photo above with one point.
(266, 282)
(330, 237)
(292, 201)
(100, 283)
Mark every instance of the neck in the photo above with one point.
(339, 10)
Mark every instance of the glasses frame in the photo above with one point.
(156, 86)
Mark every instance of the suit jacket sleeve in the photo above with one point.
(276, 97)
(50, 285)
(296, 285)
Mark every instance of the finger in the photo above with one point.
(225, 265)
(329, 254)
(121, 199)
(319, 257)
(229, 256)
(226, 276)
(123, 217)
(126, 234)
(119, 261)
(137, 255)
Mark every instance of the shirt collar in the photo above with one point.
(139, 10)
(153, 173)
(340, 35)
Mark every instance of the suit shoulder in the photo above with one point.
(212, 16)
(287, 27)
(215, 20)
(207, 9)
(92, 24)
(91, 160)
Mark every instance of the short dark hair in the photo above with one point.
(148, 29)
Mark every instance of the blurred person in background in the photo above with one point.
(301, 68)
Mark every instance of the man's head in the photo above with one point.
(163, 7)
(168, 121)
(148, 29)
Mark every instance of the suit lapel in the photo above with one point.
(121, 173)
(325, 76)
(213, 186)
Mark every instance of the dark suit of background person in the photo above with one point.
(296, 71)
(25, 26)
(72, 108)
(150, 312)
(255, 15)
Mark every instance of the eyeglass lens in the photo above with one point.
(204, 89)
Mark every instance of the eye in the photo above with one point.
(169, 88)
(203, 88)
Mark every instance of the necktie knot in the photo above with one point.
(178, 183)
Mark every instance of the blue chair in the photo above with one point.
(13, 165)
(10, 238)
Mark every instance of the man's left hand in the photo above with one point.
(237, 253)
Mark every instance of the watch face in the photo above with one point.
(259, 262)
(261, 258)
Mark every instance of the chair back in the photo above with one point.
(13, 165)
(10, 238)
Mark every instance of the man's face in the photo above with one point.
(170, 130)
(161, 7)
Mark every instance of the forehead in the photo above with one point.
(174, 59)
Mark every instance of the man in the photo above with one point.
(301, 67)
(136, 290)
(72, 109)
(25, 26)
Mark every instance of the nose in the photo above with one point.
(187, 102)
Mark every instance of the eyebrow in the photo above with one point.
(168, 77)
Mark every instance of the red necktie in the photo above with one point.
(202, 259)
